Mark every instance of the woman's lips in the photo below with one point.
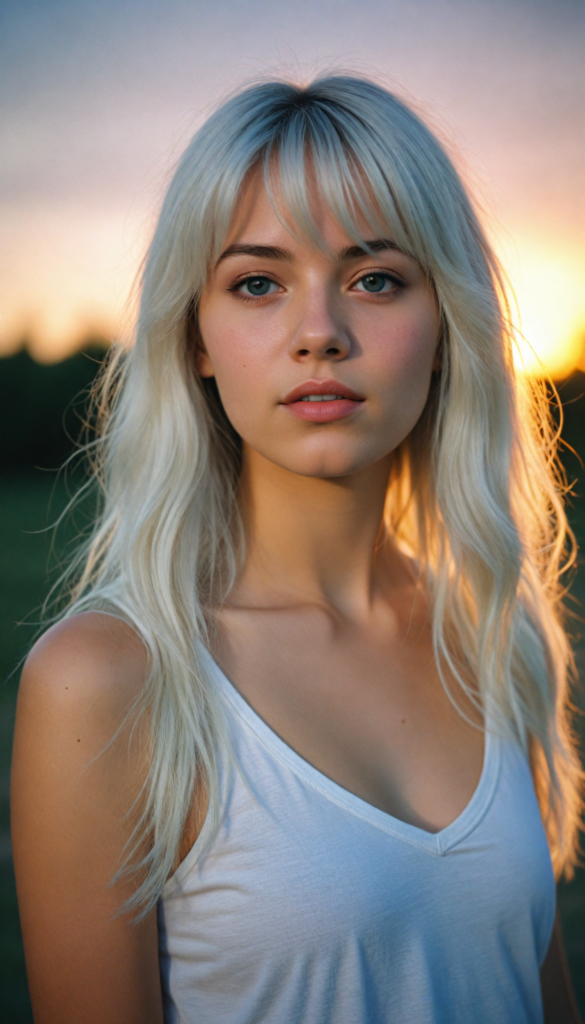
(324, 411)
(322, 401)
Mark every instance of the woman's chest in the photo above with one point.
(369, 712)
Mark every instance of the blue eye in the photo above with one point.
(376, 283)
(256, 286)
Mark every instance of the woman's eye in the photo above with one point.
(257, 286)
(376, 283)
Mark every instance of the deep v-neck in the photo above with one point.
(434, 842)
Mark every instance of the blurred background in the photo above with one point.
(96, 103)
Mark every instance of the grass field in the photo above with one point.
(28, 506)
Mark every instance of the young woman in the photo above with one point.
(298, 752)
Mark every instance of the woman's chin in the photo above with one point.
(328, 465)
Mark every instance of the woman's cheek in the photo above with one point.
(402, 368)
(240, 377)
(405, 359)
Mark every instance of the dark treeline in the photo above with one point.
(42, 410)
(572, 452)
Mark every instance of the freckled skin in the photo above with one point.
(317, 323)
(325, 598)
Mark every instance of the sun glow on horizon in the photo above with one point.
(549, 289)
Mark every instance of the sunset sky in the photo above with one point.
(97, 100)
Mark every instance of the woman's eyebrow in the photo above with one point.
(274, 252)
(356, 252)
(266, 252)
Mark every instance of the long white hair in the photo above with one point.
(474, 492)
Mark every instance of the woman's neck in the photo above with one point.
(313, 540)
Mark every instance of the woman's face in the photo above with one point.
(323, 363)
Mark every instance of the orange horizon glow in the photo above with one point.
(549, 310)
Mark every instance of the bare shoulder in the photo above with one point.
(101, 645)
(91, 662)
(77, 773)
(77, 691)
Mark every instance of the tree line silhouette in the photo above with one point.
(42, 408)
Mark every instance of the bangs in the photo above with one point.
(314, 164)
(319, 153)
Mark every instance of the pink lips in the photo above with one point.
(345, 402)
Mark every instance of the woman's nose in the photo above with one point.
(320, 332)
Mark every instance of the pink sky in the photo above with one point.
(98, 99)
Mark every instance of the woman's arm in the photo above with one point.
(85, 966)
(557, 990)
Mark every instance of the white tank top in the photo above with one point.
(311, 906)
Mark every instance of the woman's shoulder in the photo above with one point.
(76, 708)
(92, 661)
(79, 766)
